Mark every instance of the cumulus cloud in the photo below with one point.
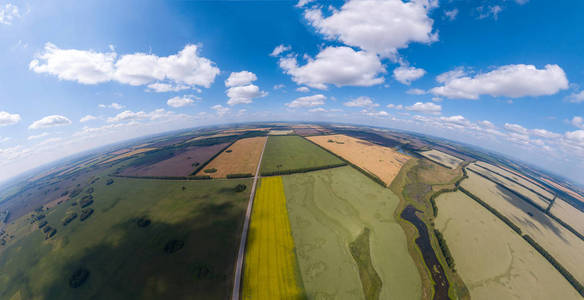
(578, 122)
(7, 118)
(8, 13)
(279, 50)
(220, 109)
(244, 94)
(240, 78)
(50, 121)
(278, 86)
(406, 75)
(182, 101)
(303, 89)
(307, 101)
(114, 105)
(513, 81)
(317, 110)
(426, 108)
(301, 3)
(91, 67)
(375, 113)
(340, 66)
(362, 101)
(87, 118)
(160, 87)
(576, 97)
(394, 106)
(489, 11)
(416, 92)
(378, 26)
(38, 136)
(451, 14)
(129, 115)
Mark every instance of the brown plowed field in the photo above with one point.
(181, 164)
(383, 162)
(243, 158)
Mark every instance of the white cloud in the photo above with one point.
(182, 101)
(362, 101)
(114, 105)
(426, 108)
(451, 14)
(416, 92)
(578, 122)
(129, 115)
(341, 66)
(8, 13)
(489, 11)
(278, 86)
(378, 26)
(516, 128)
(87, 118)
(35, 137)
(220, 109)
(7, 118)
(374, 113)
(393, 106)
(544, 133)
(160, 87)
(301, 3)
(240, 78)
(279, 50)
(90, 67)
(316, 110)
(307, 101)
(406, 75)
(576, 97)
(50, 121)
(511, 81)
(303, 89)
(244, 94)
(4, 139)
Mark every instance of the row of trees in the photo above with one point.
(301, 170)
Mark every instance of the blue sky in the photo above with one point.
(504, 75)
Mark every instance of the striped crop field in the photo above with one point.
(270, 261)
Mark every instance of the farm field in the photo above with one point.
(442, 158)
(380, 161)
(218, 135)
(492, 259)
(280, 132)
(330, 210)
(521, 180)
(240, 158)
(569, 214)
(146, 239)
(181, 163)
(564, 189)
(535, 198)
(284, 153)
(270, 261)
(562, 244)
(127, 154)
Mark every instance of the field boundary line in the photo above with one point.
(243, 241)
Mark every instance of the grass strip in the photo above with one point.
(360, 251)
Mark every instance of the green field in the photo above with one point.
(493, 260)
(329, 212)
(284, 153)
(187, 250)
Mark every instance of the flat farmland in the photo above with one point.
(331, 213)
(293, 153)
(380, 161)
(492, 259)
(564, 189)
(442, 158)
(181, 163)
(240, 158)
(562, 244)
(127, 154)
(218, 135)
(270, 261)
(517, 178)
(534, 197)
(569, 214)
(146, 239)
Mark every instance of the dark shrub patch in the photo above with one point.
(212, 170)
(68, 218)
(203, 271)
(85, 213)
(240, 188)
(78, 278)
(173, 246)
(109, 181)
(143, 222)
(229, 151)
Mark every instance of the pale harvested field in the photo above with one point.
(128, 154)
(204, 137)
(537, 199)
(520, 179)
(243, 158)
(567, 190)
(569, 214)
(442, 158)
(246, 130)
(563, 245)
(280, 132)
(492, 259)
(383, 162)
